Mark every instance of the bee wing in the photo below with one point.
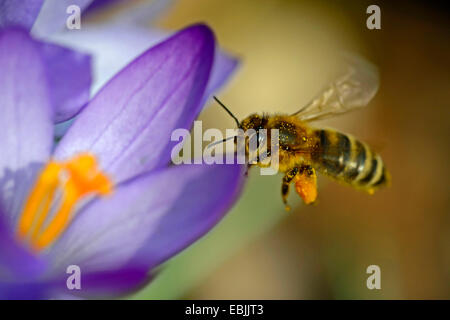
(352, 89)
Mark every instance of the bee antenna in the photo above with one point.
(227, 110)
(220, 141)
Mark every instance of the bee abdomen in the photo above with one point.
(343, 157)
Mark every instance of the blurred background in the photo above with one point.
(288, 49)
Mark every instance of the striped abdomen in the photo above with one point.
(343, 157)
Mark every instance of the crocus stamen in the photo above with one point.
(76, 178)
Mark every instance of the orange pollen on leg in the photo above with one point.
(306, 186)
(76, 178)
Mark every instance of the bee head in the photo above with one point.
(254, 121)
(257, 123)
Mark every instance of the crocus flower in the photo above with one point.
(104, 199)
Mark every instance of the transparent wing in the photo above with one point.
(352, 89)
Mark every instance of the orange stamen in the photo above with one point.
(46, 183)
(82, 177)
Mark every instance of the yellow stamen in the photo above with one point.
(44, 211)
(82, 177)
(46, 183)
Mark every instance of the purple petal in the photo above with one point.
(53, 16)
(26, 134)
(149, 219)
(16, 263)
(106, 44)
(61, 128)
(224, 66)
(106, 284)
(69, 77)
(18, 268)
(128, 124)
(19, 13)
(129, 30)
(101, 4)
(22, 291)
(138, 13)
(114, 283)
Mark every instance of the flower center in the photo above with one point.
(74, 179)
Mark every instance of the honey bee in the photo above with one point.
(304, 150)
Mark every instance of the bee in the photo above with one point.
(304, 150)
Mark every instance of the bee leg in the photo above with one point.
(284, 194)
(257, 159)
(287, 179)
(306, 184)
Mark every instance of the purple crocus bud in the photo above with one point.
(105, 200)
